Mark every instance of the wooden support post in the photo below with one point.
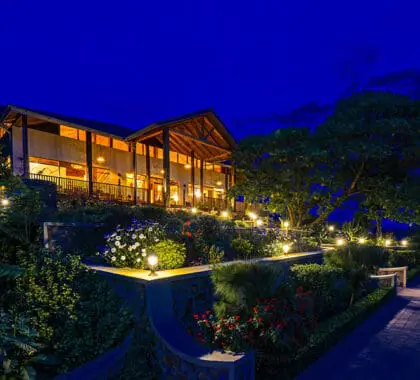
(233, 180)
(202, 179)
(89, 162)
(226, 187)
(134, 172)
(193, 177)
(25, 148)
(12, 167)
(149, 188)
(166, 169)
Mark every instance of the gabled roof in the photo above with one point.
(112, 130)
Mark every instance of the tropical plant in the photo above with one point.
(215, 255)
(171, 254)
(243, 248)
(238, 286)
(128, 247)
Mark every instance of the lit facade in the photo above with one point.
(179, 162)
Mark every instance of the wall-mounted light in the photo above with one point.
(100, 159)
(219, 183)
(187, 166)
(162, 171)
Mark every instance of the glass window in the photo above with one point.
(159, 153)
(119, 144)
(69, 132)
(173, 156)
(101, 140)
(82, 135)
(217, 168)
(182, 158)
(140, 149)
(44, 167)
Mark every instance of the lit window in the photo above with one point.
(101, 140)
(217, 168)
(159, 153)
(173, 156)
(68, 132)
(140, 149)
(182, 158)
(121, 145)
(82, 135)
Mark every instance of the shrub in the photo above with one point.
(215, 255)
(239, 285)
(171, 254)
(242, 247)
(76, 315)
(401, 258)
(127, 247)
(275, 329)
(328, 284)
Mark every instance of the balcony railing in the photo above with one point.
(103, 191)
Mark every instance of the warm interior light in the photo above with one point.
(259, 222)
(100, 159)
(404, 242)
(130, 175)
(194, 210)
(286, 248)
(341, 241)
(187, 166)
(286, 224)
(387, 242)
(5, 202)
(225, 214)
(362, 240)
(175, 198)
(197, 193)
(253, 216)
(331, 228)
(219, 183)
(162, 171)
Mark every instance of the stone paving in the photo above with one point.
(386, 346)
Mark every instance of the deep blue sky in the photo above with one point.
(134, 62)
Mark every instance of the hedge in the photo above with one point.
(332, 330)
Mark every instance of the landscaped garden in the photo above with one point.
(57, 314)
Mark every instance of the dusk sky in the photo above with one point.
(135, 62)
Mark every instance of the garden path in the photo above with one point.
(385, 346)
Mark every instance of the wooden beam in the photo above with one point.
(25, 147)
(198, 140)
(166, 168)
(134, 149)
(89, 162)
(193, 177)
(149, 136)
(149, 189)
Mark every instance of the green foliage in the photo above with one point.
(401, 258)
(238, 286)
(242, 248)
(74, 312)
(329, 332)
(10, 271)
(171, 254)
(353, 230)
(328, 285)
(215, 255)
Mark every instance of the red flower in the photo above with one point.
(231, 327)
(196, 316)
(208, 312)
(255, 309)
(250, 320)
(188, 223)
(237, 318)
(189, 234)
(260, 320)
(203, 316)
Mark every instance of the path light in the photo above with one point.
(253, 216)
(404, 242)
(362, 240)
(331, 228)
(259, 222)
(341, 242)
(5, 202)
(225, 214)
(152, 260)
(286, 248)
(194, 210)
(387, 242)
(286, 224)
(100, 159)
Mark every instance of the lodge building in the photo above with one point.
(177, 162)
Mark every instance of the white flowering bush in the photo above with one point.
(129, 247)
